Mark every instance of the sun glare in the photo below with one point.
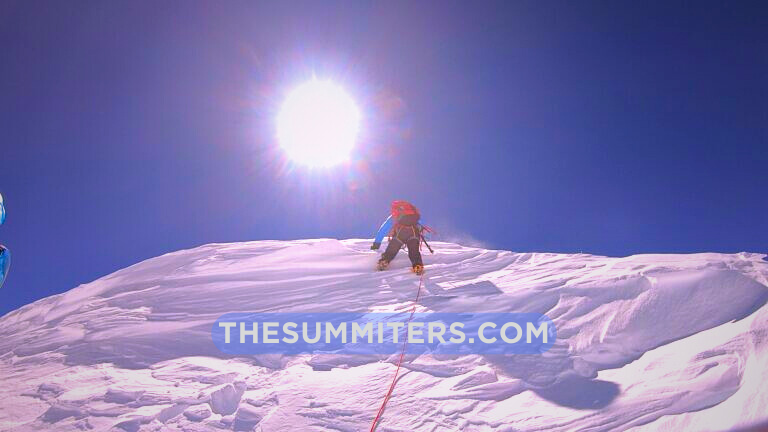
(318, 124)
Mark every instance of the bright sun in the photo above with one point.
(318, 124)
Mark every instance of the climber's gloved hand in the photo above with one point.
(375, 246)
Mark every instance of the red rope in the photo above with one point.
(399, 361)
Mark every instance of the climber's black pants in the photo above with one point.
(404, 235)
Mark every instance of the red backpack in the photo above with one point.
(404, 213)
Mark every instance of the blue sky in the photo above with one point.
(132, 129)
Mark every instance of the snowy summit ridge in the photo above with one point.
(646, 342)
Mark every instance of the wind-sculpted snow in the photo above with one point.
(647, 342)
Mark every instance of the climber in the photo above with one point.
(5, 263)
(403, 228)
(5, 254)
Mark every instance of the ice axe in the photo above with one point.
(427, 244)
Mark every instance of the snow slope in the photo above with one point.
(647, 342)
